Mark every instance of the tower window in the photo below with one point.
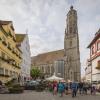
(71, 43)
(70, 30)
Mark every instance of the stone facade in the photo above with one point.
(71, 47)
(46, 62)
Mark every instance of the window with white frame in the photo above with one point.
(98, 46)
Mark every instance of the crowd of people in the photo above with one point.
(71, 87)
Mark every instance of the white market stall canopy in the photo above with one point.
(52, 78)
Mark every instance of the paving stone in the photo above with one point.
(32, 95)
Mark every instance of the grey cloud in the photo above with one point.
(46, 20)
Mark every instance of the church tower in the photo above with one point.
(71, 47)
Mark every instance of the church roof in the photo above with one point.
(48, 57)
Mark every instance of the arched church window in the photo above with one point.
(70, 43)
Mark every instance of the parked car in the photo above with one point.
(31, 85)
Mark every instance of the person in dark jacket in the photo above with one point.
(80, 86)
(74, 88)
(85, 88)
(66, 88)
(0, 82)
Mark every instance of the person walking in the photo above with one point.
(93, 90)
(61, 88)
(74, 88)
(80, 86)
(0, 85)
(85, 88)
(54, 88)
(66, 88)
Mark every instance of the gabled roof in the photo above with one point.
(48, 57)
(20, 37)
(97, 36)
(2, 22)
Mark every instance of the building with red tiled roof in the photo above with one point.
(94, 47)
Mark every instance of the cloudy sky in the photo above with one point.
(44, 21)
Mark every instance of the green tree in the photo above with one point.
(35, 73)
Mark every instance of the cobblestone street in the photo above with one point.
(30, 95)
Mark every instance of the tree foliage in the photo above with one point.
(35, 73)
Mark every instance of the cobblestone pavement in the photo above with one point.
(30, 95)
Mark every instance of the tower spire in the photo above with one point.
(71, 7)
(71, 22)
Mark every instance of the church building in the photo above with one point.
(70, 54)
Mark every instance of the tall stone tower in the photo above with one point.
(71, 47)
